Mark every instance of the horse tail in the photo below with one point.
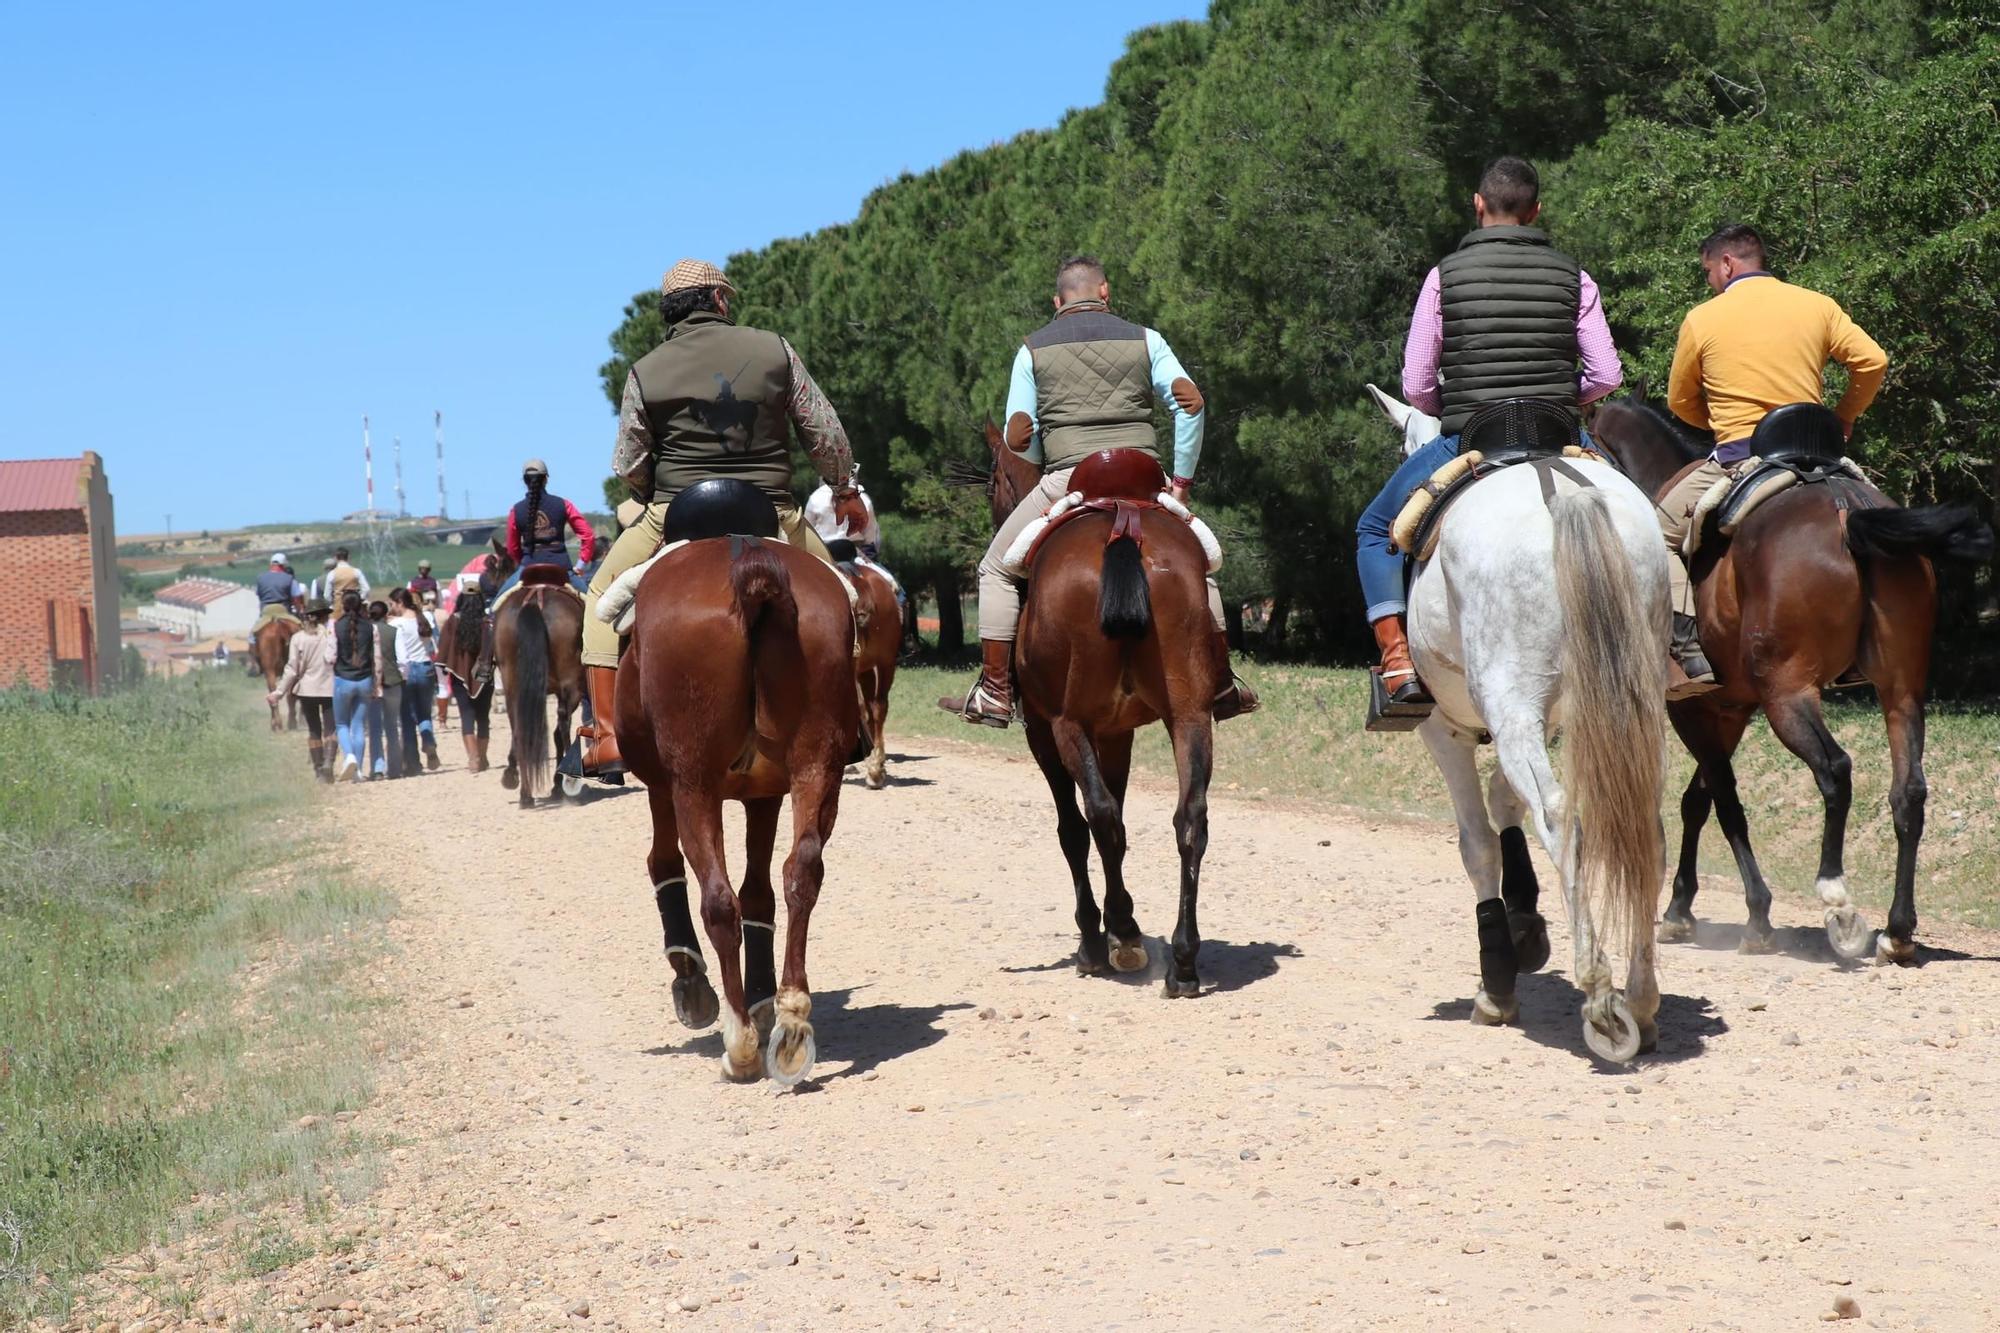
(1951, 532)
(760, 581)
(1614, 733)
(1124, 602)
(531, 677)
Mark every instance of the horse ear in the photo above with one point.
(499, 547)
(1398, 411)
(993, 440)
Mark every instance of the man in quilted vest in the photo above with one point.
(1085, 381)
(1504, 315)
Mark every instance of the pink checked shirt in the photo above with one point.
(1601, 371)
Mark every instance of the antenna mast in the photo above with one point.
(402, 510)
(437, 420)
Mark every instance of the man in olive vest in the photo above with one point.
(713, 400)
(1505, 315)
(1084, 382)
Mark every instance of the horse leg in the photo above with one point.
(1677, 922)
(1519, 888)
(1127, 946)
(1797, 721)
(815, 801)
(1073, 835)
(1107, 825)
(1480, 851)
(760, 910)
(1903, 709)
(694, 999)
(1712, 737)
(1194, 758)
(699, 816)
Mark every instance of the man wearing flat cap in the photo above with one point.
(711, 401)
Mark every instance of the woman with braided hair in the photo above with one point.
(538, 530)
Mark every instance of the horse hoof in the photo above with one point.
(789, 1055)
(1179, 989)
(877, 780)
(1900, 952)
(510, 778)
(1673, 930)
(1755, 942)
(763, 1014)
(1489, 1011)
(1088, 964)
(1850, 936)
(1610, 1031)
(695, 1003)
(1649, 1037)
(1531, 941)
(1130, 957)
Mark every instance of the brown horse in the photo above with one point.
(879, 624)
(1114, 637)
(274, 645)
(1819, 579)
(538, 647)
(739, 686)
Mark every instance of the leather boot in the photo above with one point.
(600, 756)
(1235, 698)
(991, 699)
(1399, 675)
(1688, 671)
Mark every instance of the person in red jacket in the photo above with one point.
(538, 530)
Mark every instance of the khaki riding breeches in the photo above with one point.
(273, 611)
(1675, 511)
(636, 545)
(1000, 596)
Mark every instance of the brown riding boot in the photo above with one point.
(991, 699)
(1399, 675)
(600, 754)
(1235, 698)
(1688, 671)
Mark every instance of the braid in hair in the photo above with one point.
(536, 485)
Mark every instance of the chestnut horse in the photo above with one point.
(878, 621)
(274, 644)
(538, 647)
(739, 686)
(1818, 579)
(1113, 638)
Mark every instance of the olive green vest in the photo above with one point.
(717, 398)
(1093, 385)
(1510, 306)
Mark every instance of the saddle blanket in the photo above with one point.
(618, 607)
(1734, 497)
(1017, 558)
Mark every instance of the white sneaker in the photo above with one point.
(348, 765)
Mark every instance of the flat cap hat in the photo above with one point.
(693, 273)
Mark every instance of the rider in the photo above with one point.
(343, 578)
(1759, 344)
(711, 401)
(1504, 315)
(424, 585)
(538, 529)
(280, 596)
(1086, 381)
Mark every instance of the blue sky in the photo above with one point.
(228, 231)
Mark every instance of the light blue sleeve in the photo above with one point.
(1021, 398)
(1187, 429)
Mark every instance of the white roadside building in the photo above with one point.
(200, 608)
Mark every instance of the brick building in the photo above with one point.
(58, 574)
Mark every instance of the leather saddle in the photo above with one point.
(1121, 482)
(720, 507)
(1499, 435)
(1797, 444)
(544, 576)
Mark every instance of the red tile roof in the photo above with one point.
(196, 592)
(40, 484)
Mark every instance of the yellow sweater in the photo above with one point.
(1761, 344)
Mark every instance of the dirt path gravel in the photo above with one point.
(990, 1141)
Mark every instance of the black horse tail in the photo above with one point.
(1951, 532)
(530, 720)
(1124, 603)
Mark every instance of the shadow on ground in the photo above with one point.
(1223, 966)
(863, 1036)
(1552, 1015)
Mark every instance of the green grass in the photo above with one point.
(174, 975)
(1306, 743)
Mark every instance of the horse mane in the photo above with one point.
(1668, 427)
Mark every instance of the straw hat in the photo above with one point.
(693, 273)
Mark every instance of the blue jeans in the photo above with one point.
(420, 687)
(350, 715)
(385, 745)
(1383, 572)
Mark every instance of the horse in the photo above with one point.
(1817, 580)
(878, 621)
(738, 685)
(462, 636)
(1506, 660)
(1112, 638)
(538, 647)
(274, 644)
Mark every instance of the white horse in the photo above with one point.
(1509, 656)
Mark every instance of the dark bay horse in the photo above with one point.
(1114, 637)
(274, 644)
(739, 686)
(538, 647)
(1819, 579)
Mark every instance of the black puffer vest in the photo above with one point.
(1510, 306)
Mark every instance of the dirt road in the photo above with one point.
(990, 1141)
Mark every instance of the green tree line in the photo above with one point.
(1269, 187)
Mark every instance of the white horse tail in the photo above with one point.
(1614, 719)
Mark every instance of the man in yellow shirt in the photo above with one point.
(1758, 345)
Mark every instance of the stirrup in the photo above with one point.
(994, 712)
(1388, 713)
